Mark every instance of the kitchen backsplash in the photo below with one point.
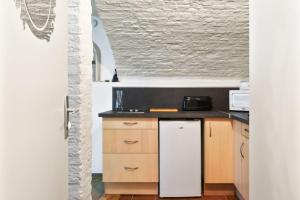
(145, 98)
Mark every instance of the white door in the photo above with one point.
(275, 99)
(180, 158)
(33, 158)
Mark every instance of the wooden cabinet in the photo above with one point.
(218, 151)
(130, 141)
(130, 160)
(237, 128)
(241, 180)
(130, 168)
(245, 161)
(130, 123)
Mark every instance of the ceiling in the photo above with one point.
(194, 39)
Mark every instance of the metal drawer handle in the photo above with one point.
(209, 130)
(131, 168)
(130, 142)
(246, 133)
(130, 123)
(241, 150)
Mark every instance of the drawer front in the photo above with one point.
(130, 123)
(130, 168)
(130, 141)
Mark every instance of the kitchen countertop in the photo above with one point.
(240, 116)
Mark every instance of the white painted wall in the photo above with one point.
(107, 59)
(275, 99)
(101, 102)
(2, 136)
(101, 93)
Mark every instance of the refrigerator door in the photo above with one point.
(180, 158)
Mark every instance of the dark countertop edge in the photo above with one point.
(240, 116)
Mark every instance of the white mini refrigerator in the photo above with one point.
(180, 158)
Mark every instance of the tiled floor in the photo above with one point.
(151, 197)
(98, 191)
(97, 186)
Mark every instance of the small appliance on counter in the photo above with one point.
(197, 103)
(239, 100)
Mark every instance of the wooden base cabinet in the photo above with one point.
(130, 160)
(131, 188)
(218, 151)
(241, 180)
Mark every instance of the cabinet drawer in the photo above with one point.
(130, 168)
(130, 141)
(130, 123)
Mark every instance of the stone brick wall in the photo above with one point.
(205, 39)
(80, 80)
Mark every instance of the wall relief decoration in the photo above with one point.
(39, 16)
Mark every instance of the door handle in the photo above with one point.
(67, 123)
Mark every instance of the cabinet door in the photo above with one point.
(219, 151)
(245, 161)
(237, 129)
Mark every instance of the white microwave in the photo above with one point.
(239, 100)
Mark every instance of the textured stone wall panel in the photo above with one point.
(197, 39)
(80, 80)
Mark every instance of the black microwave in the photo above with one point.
(197, 103)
